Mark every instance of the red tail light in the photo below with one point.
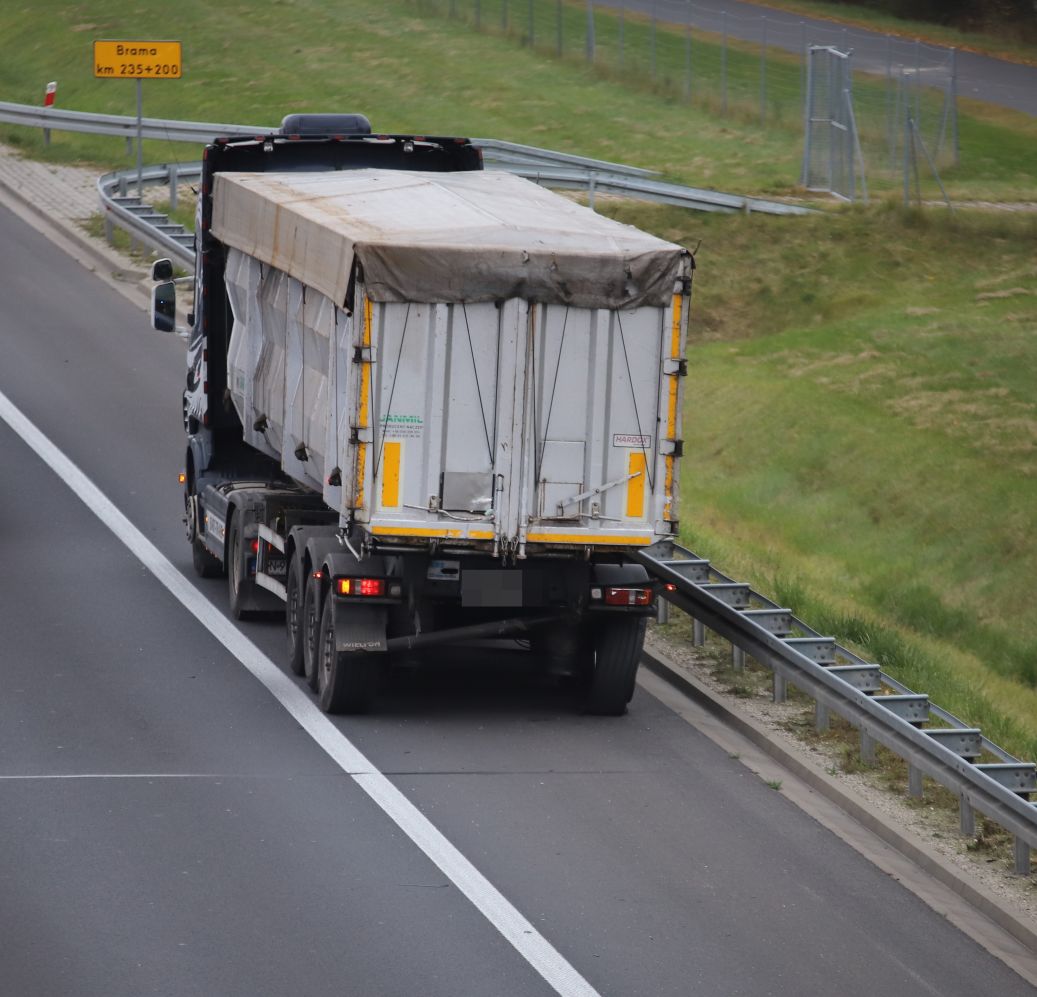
(628, 597)
(360, 586)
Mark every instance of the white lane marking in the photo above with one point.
(527, 941)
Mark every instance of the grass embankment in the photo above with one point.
(861, 437)
(861, 422)
(411, 68)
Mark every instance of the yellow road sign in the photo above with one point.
(132, 60)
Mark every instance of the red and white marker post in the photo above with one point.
(48, 101)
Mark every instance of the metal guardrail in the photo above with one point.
(932, 741)
(133, 215)
(115, 124)
(546, 166)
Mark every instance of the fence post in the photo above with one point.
(954, 106)
(808, 100)
(590, 31)
(907, 159)
(622, 25)
(687, 59)
(763, 74)
(653, 40)
(723, 64)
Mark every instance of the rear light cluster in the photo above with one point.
(377, 588)
(615, 596)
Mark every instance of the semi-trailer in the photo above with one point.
(426, 404)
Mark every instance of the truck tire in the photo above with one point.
(293, 619)
(564, 649)
(236, 581)
(205, 565)
(311, 608)
(617, 644)
(346, 680)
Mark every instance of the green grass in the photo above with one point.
(862, 417)
(413, 69)
(861, 427)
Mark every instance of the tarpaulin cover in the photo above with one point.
(441, 237)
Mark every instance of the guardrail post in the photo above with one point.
(967, 818)
(820, 716)
(868, 746)
(781, 688)
(1022, 857)
(914, 782)
(173, 184)
(122, 186)
(737, 658)
(698, 633)
(662, 612)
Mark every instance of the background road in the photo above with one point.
(981, 77)
(167, 828)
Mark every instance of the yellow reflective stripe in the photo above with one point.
(361, 469)
(416, 531)
(362, 415)
(586, 538)
(391, 455)
(671, 421)
(636, 486)
(431, 531)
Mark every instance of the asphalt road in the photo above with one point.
(980, 77)
(167, 827)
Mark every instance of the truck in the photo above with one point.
(426, 403)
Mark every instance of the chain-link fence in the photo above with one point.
(751, 68)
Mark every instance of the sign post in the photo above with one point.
(138, 60)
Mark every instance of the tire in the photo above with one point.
(563, 649)
(205, 565)
(295, 590)
(346, 680)
(617, 644)
(236, 570)
(311, 609)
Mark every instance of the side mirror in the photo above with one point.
(163, 306)
(162, 270)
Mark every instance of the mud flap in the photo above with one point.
(360, 628)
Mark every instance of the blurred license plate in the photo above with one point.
(491, 587)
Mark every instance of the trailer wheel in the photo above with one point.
(618, 644)
(345, 679)
(564, 649)
(293, 616)
(311, 607)
(236, 571)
